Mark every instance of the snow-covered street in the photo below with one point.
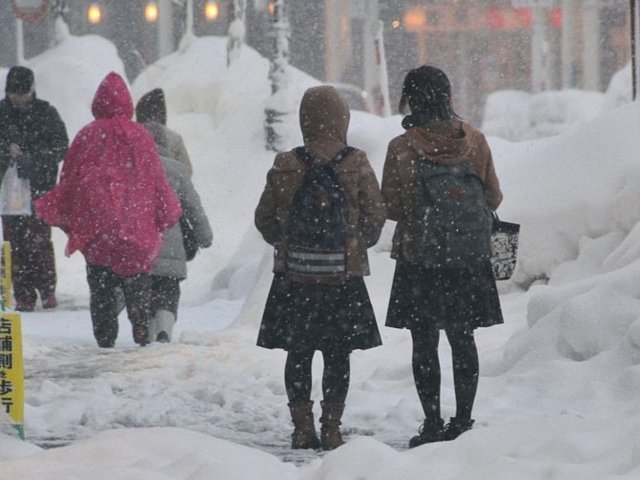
(559, 381)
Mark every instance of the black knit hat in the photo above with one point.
(19, 80)
(152, 107)
(425, 88)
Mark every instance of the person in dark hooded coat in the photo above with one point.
(151, 111)
(426, 299)
(304, 317)
(33, 136)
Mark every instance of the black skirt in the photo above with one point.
(306, 317)
(465, 298)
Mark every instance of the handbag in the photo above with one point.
(504, 248)
(15, 193)
(188, 238)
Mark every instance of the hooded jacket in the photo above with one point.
(151, 111)
(445, 142)
(113, 199)
(172, 142)
(324, 120)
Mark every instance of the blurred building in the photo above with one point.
(484, 45)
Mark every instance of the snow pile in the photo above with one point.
(506, 115)
(515, 115)
(151, 454)
(563, 189)
(620, 89)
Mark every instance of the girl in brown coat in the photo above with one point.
(330, 314)
(427, 298)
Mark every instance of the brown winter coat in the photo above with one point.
(324, 120)
(445, 142)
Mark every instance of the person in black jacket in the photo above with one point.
(34, 137)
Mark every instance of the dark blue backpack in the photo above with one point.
(453, 225)
(317, 226)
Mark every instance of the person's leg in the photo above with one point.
(336, 375)
(335, 385)
(102, 282)
(426, 371)
(44, 263)
(465, 378)
(297, 380)
(137, 296)
(16, 232)
(165, 297)
(426, 374)
(297, 376)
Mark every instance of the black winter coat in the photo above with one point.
(40, 133)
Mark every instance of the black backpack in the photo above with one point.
(317, 225)
(453, 225)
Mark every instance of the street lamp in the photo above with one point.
(415, 19)
(151, 12)
(211, 11)
(94, 14)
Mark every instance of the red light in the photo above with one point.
(526, 16)
(555, 17)
(495, 18)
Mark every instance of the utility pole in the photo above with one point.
(165, 28)
(369, 30)
(334, 46)
(634, 18)
(277, 106)
(591, 44)
(568, 43)
(237, 30)
(188, 23)
(19, 41)
(374, 71)
(540, 66)
(539, 51)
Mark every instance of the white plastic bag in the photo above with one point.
(15, 193)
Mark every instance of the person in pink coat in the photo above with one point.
(114, 203)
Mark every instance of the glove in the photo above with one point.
(25, 166)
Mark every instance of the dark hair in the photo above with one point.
(152, 107)
(19, 80)
(427, 91)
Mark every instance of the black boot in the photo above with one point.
(430, 431)
(456, 427)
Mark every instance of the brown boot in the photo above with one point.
(330, 436)
(304, 433)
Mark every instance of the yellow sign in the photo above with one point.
(5, 275)
(11, 370)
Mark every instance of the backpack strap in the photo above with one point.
(341, 155)
(303, 154)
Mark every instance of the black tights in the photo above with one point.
(426, 370)
(335, 378)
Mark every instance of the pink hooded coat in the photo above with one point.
(113, 199)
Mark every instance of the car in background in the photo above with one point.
(356, 98)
